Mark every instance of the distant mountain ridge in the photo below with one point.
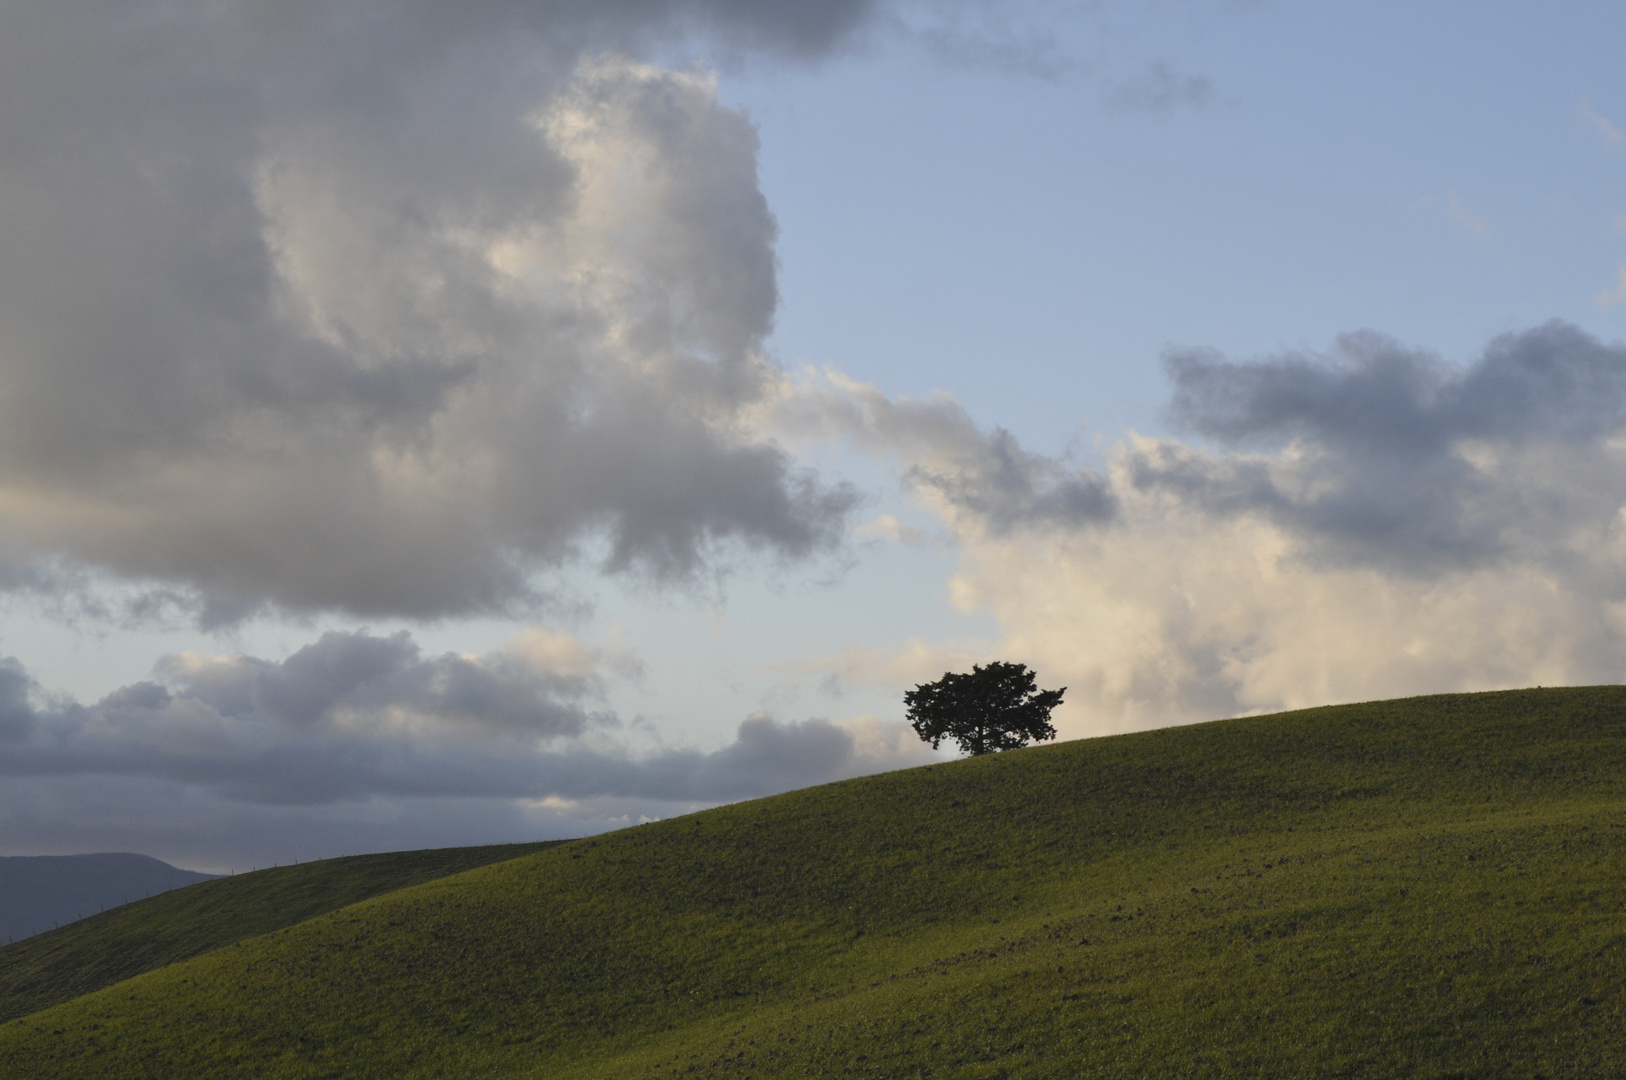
(40, 892)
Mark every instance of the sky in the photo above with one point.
(428, 424)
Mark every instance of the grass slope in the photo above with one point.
(86, 955)
(1423, 888)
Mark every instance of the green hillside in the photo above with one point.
(94, 952)
(1424, 888)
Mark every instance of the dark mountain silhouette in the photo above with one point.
(39, 892)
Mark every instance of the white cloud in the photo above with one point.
(890, 742)
(1172, 616)
(1607, 132)
(916, 661)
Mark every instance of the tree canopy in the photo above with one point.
(997, 707)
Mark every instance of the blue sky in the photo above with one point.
(445, 428)
(1029, 246)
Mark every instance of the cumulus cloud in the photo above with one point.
(1389, 458)
(1363, 523)
(357, 720)
(383, 309)
(395, 309)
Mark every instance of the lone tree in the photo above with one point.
(997, 707)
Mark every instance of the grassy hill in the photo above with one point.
(106, 948)
(1425, 888)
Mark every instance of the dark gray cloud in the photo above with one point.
(996, 482)
(1372, 395)
(360, 673)
(16, 709)
(383, 307)
(358, 720)
(1384, 455)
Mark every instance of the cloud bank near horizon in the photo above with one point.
(358, 726)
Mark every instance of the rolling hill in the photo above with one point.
(142, 936)
(1433, 887)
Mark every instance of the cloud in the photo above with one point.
(363, 725)
(16, 709)
(1375, 523)
(343, 676)
(888, 527)
(1012, 37)
(986, 477)
(1464, 216)
(1007, 488)
(1362, 523)
(1617, 296)
(1176, 616)
(350, 306)
(917, 661)
(1159, 88)
(1607, 132)
(1391, 459)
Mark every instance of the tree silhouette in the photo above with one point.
(997, 707)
